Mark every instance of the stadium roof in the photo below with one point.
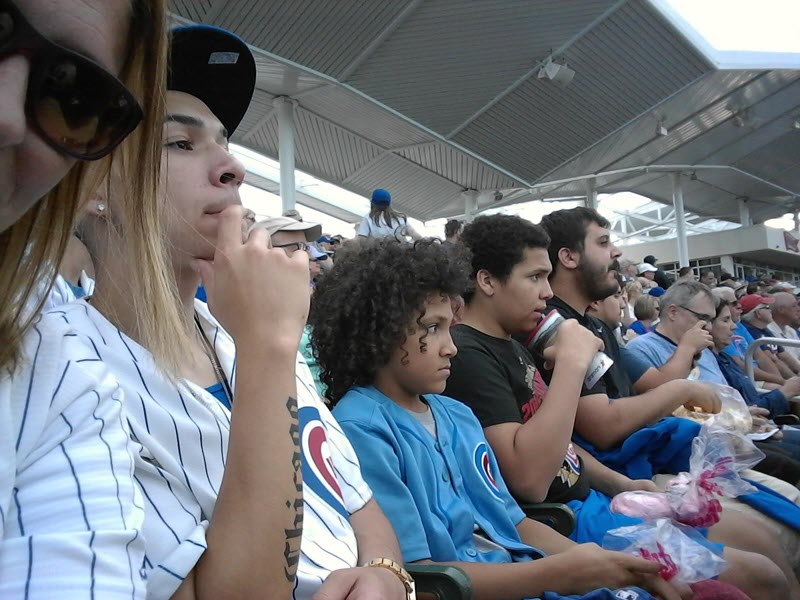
(432, 98)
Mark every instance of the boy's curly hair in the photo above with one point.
(364, 309)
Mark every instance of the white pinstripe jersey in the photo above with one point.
(183, 432)
(70, 516)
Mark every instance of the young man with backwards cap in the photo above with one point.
(238, 456)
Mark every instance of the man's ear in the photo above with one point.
(485, 282)
(594, 306)
(668, 312)
(569, 259)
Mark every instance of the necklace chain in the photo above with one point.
(212, 356)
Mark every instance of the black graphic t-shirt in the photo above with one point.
(497, 379)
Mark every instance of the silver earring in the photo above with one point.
(101, 207)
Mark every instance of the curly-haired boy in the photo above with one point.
(381, 333)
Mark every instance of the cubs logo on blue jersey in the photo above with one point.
(318, 472)
(481, 459)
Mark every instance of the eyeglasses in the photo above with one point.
(700, 316)
(77, 107)
(293, 247)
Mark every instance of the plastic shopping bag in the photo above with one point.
(718, 455)
(734, 413)
(682, 552)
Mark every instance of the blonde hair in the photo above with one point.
(645, 308)
(32, 248)
(633, 288)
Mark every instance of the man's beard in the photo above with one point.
(593, 280)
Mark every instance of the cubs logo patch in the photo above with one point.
(484, 466)
(318, 472)
(627, 595)
(572, 459)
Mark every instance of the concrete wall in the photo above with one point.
(720, 243)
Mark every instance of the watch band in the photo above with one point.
(399, 571)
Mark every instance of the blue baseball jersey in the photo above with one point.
(71, 517)
(434, 491)
(438, 491)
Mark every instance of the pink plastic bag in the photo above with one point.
(718, 455)
(683, 554)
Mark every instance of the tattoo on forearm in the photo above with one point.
(291, 551)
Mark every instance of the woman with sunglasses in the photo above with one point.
(77, 77)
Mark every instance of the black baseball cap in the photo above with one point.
(217, 67)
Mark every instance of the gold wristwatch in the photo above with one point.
(399, 571)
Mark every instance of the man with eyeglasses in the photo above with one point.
(757, 316)
(293, 235)
(786, 318)
(687, 309)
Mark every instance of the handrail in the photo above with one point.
(751, 349)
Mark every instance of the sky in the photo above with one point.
(736, 25)
(730, 30)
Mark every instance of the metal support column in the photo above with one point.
(680, 220)
(591, 193)
(470, 204)
(284, 109)
(744, 213)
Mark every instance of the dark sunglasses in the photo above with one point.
(76, 106)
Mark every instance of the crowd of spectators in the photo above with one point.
(197, 404)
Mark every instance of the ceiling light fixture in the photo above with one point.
(558, 73)
(661, 129)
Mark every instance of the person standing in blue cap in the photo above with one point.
(384, 221)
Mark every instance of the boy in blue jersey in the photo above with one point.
(424, 455)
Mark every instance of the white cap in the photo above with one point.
(273, 225)
(646, 268)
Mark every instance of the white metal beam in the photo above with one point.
(470, 204)
(680, 220)
(591, 193)
(284, 108)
